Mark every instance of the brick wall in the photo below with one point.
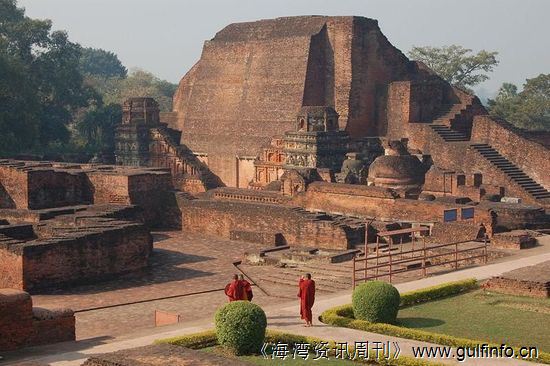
(151, 191)
(13, 188)
(221, 218)
(51, 188)
(370, 201)
(15, 318)
(21, 325)
(528, 154)
(11, 264)
(52, 326)
(80, 258)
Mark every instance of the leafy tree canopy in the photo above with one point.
(98, 62)
(40, 82)
(457, 64)
(139, 83)
(528, 109)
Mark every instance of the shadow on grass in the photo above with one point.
(414, 322)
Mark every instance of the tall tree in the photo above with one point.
(139, 83)
(40, 82)
(457, 64)
(528, 109)
(98, 62)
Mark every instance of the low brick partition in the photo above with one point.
(532, 281)
(161, 355)
(15, 319)
(516, 239)
(297, 226)
(21, 325)
(73, 250)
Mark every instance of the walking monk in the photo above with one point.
(247, 288)
(307, 298)
(235, 290)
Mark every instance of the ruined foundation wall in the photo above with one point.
(21, 325)
(13, 188)
(83, 258)
(518, 287)
(222, 218)
(15, 319)
(11, 263)
(369, 201)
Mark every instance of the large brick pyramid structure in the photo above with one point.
(253, 78)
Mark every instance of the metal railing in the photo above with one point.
(422, 256)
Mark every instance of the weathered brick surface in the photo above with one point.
(51, 326)
(369, 201)
(15, 318)
(34, 186)
(516, 239)
(531, 281)
(221, 218)
(257, 75)
(22, 325)
(529, 154)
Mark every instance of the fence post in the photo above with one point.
(424, 257)
(485, 257)
(353, 275)
(390, 250)
(456, 255)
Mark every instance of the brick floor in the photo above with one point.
(182, 265)
(187, 275)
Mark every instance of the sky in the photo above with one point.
(165, 37)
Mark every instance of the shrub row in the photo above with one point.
(438, 292)
(209, 339)
(194, 341)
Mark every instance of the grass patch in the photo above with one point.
(497, 318)
(434, 315)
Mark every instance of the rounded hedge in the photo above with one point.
(240, 327)
(376, 302)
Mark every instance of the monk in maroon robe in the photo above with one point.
(307, 298)
(235, 290)
(247, 288)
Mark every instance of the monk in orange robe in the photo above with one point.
(235, 290)
(307, 298)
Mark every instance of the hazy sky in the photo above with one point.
(166, 36)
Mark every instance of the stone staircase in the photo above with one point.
(517, 175)
(184, 154)
(448, 134)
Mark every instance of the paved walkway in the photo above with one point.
(282, 317)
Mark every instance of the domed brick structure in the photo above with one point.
(397, 169)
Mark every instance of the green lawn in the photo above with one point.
(480, 315)
(260, 360)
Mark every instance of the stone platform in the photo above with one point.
(533, 281)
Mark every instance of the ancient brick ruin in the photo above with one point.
(304, 133)
(21, 325)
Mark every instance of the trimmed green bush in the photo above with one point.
(240, 327)
(376, 302)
